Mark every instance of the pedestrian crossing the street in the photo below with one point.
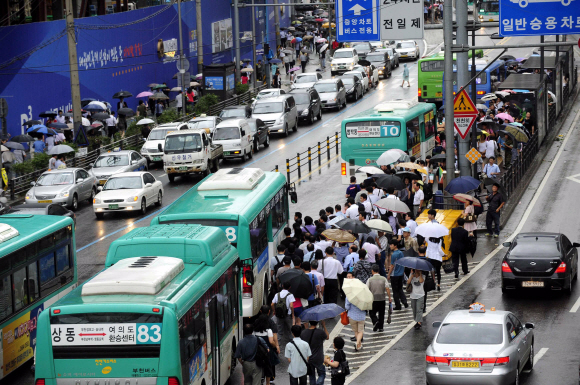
(373, 342)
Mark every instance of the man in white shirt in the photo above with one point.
(49, 142)
(372, 250)
(490, 147)
(331, 267)
(60, 117)
(366, 203)
(352, 210)
(285, 323)
(277, 259)
(411, 224)
(418, 199)
(111, 123)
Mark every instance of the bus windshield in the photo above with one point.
(490, 6)
(178, 144)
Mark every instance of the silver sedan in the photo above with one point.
(479, 347)
(115, 162)
(63, 186)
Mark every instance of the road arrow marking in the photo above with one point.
(357, 8)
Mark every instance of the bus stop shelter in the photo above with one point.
(530, 95)
(554, 78)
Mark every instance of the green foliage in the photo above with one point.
(98, 141)
(241, 88)
(23, 168)
(39, 162)
(168, 116)
(204, 103)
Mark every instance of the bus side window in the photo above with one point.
(413, 133)
(20, 297)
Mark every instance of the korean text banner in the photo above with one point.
(401, 19)
(539, 17)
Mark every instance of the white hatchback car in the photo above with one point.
(128, 191)
(364, 79)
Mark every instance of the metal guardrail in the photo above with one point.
(21, 184)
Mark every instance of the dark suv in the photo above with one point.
(308, 104)
(382, 62)
(236, 112)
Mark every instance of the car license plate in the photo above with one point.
(102, 181)
(342, 67)
(45, 201)
(113, 207)
(226, 153)
(403, 55)
(156, 158)
(532, 284)
(183, 168)
(465, 364)
(438, 94)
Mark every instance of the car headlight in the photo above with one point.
(96, 200)
(332, 100)
(64, 194)
(144, 150)
(28, 195)
(132, 199)
(350, 67)
(305, 112)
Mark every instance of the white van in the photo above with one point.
(150, 149)
(235, 135)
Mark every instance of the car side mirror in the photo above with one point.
(529, 325)
(575, 244)
(436, 324)
(159, 147)
(506, 244)
(33, 183)
(148, 185)
(80, 180)
(99, 188)
(134, 162)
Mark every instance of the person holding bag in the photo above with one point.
(339, 368)
(297, 352)
(469, 217)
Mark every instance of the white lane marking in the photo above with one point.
(161, 176)
(527, 213)
(576, 306)
(539, 355)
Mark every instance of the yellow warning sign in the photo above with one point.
(473, 155)
(463, 104)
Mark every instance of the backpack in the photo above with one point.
(278, 265)
(281, 310)
(428, 192)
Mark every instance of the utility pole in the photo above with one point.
(448, 80)
(237, 39)
(75, 88)
(329, 31)
(462, 78)
(199, 36)
(474, 83)
(266, 61)
(277, 24)
(253, 75)
(181, 59)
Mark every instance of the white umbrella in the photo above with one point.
(552, 98)
(380, 225)
(96, 103)
(85, 122)
(432, 230)
(198, 76)
(502, 93)
(321, 40)
(194, 84)
(247, 70)
(393, 205)
(61, 149)
(488, 97)
(323, 48)
(370, 170)
(358, 293)
(145, 121)
(388, 157)
(4, 148)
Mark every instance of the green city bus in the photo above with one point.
(164, 311)
(251, 207)
(489, 10)
(430, 77)
(405, 125)
(37, 267)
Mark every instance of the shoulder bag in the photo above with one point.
(342, 369)
(309, 366)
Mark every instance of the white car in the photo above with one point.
(408, 49)
(376, 44)
(344, 59)
(128, 191)
(267, 93)
(364, 79)
(208, 123)
(236, 137)
(306, 80)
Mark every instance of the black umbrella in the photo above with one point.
(489, 182)
(22, 139)
(364, 63)
(14, 145)
(47, 114)
(439, 157)
(301, 286)
(387, 181)
(56, 125)
(415, 263)
(32, 123)
(408, 174)
(127, 112)
(101, 116)
(122, 94)
(353, 225)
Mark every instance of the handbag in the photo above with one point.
(262, 354)
(470, 218)
(343, 369)
(448, 266)
(429, 284)
(344, 318)
(309, 366)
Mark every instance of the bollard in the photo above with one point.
(298, 164)
(318, 154)
(328, 147)
(277, 169)
(309, 160)
(288, 170)
(336, 142)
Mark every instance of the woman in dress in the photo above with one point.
(469, 210)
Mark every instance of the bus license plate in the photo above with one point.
(438, 94)
(465, 364)
(113, 207)
(183, 168)
(45, 201)
(156, 158)
(532, 284)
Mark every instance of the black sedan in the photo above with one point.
(308, 104)
(540, 260)
(42, 209)
(260, 132)
(354, 87)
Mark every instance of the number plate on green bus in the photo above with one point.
(106, 334)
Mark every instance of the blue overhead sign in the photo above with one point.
(357, 20)
(539, 17)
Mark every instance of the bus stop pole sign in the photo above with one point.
(357, 20)
(464, 113)
(539, 17)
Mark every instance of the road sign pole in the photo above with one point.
(462, 77)
(473, 82)
(449, 131)
(237, 41)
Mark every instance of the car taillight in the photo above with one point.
(171, 381)
(436, 360)
(502, 361)
(343, 169)
(246, 287)
(430, 360)
(561, 268)
(419, 92)
(39, 381)
(505, 268)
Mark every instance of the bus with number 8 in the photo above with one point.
(251, 207)
(164, 311)
(405, 125)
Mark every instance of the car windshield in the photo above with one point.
(268, 108)
(202, 124)
(233, 113)
(123, 183)
(306, 79)
(266, 94)
(301, 98)
(470, 334)
(55, 179)
(343, 54)
(177, 144)
(406, 44)
(158, 134)
(112, 161)
(375, 58)
(226, 133)
(325, 87)
(361, 47)
(348, 81)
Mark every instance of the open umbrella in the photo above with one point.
(415, 263)
(159, 96)
(338, 235)
(97, 125)
(324, 47)
(151, 85)
(462, 184)
(320, 40)
(388, 181)
(393, 205)
(57, 126)
(439, 158)
(61, 149)
(247, 70)
(127, 112)
(158, 86)
(294, 69)
(488, 97)
(41, 129)
(31, 123)
(463, 198)
(145, 121)
(8, 157)
(321, 312)
(22, 139)
(408, 174)
(14, 145)
(353, 225)
(301, 286)
(275, 61)
(503, 132)
(319, 20)
(357, 293)
(48, 114)
(380, 225)
(86, 101)
(481, 107)
(85, 122)
(518, 134)
(505, 116)
(370, 170)
(95, 107)
(144, 94)
(432, 230)
(122, 94)
(412, 166)
(388, 157)
(175, 89)
(194, 84)
(489, 182)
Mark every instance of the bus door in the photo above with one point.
(214, 340)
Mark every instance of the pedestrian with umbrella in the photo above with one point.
(495, 202)
(330, 269)
(358, 299)
(283, 309)
(378, 285)
(459, 247)
(462, 184)
(395, 275)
